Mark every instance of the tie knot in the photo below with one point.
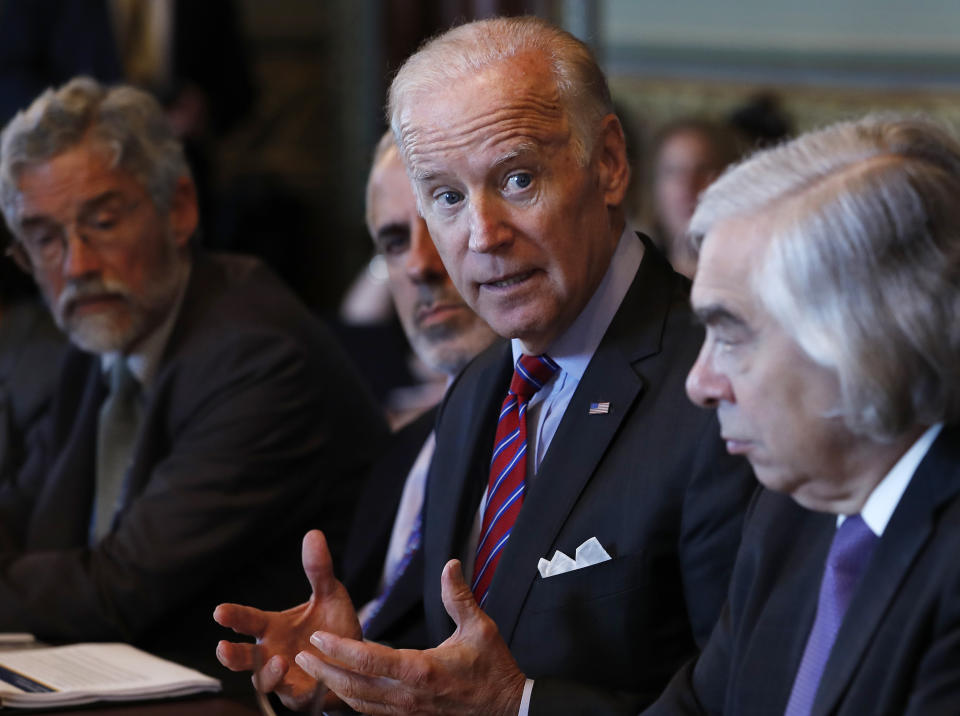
(852, 546)
(531, 374)
(122, 380)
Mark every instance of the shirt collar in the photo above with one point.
(573, 350)
(883, 501)
(145, 361)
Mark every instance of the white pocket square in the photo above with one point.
(589, 553)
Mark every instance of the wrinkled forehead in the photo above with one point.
(515, 102)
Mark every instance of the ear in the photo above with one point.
(613, 170)
(184, 214)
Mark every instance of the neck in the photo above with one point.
(865, 467)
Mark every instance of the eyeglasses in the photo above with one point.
(42, 242)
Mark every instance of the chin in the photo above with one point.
(103, 334)
(776, 479)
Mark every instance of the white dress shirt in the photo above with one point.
(883, 501)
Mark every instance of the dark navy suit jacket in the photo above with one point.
(898, 649)
(255, 428)
(400, 620)
(650, 480)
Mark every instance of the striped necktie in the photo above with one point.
(508, 469)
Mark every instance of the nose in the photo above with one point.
(489, 230)
(706, 386)
(79, 258)
(423, 264)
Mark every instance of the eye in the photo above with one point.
(450, 197)
(519, 181)
(103, 223)
(393, 242)
(102, 220)
(40, 238)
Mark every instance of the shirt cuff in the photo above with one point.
(525, 699)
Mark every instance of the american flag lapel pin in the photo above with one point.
(599, 408)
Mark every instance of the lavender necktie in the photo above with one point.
(849, 553)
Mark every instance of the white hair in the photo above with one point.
(862, 262)
(125, 122)
(476, 46)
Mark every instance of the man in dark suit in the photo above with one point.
(828, 284)
(200, 407)
(519, 167)
(383, 563)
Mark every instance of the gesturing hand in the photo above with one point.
(472, 672)
(281, 635)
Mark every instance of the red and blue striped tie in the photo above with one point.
(508, 468)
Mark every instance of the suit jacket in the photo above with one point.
(30, 351)
(898, 648)
(650, 480)
(400, 620)
(254, 428)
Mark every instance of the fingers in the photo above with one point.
(364, 657)
(317, 564)
(271, 675)
(365, 694)
(243, 620)
(237, 657)
(458, 600)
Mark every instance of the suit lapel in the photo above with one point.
(459, 471)
(370, 537)
(404, 596)
(56, 522)
(581, 439)
(574, 453)
(936, 481)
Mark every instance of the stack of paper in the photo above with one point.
(84, 673)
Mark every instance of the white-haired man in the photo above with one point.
(828, 285)
(574, 439)
(200, 403)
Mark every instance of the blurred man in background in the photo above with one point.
(383, 565)
(200, 407)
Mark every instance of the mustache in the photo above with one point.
(87, 287)
(430, 296)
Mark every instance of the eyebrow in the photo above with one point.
(716, 314)
(392, 228)
(88, 206)
(425, 176)
(520, 151)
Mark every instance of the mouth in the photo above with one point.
(93, 303)
(507, 282)
(437, 313)
(736, 446)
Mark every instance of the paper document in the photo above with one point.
(84, 673)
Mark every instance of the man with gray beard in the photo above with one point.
(201, 406)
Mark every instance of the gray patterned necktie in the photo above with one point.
(117, 428)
